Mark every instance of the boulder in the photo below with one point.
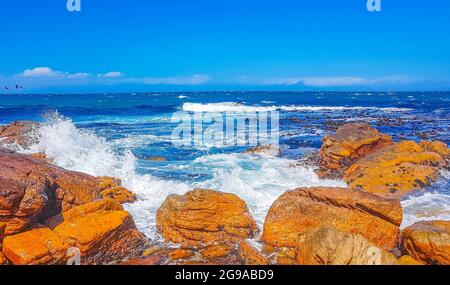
(350, 143)
(32, 190)
(111, 187)
(18, 132)
(250, 255)
(204, 216)
(329, 246)
(39, 246)
(436, 146)
(270, 149)
(395, 171)
(299, 212)
(428, 242)
(102, 231)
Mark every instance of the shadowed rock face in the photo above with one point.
(17, 132)
(32, 190)
(350, 143)
(204, 216)
(428, 242)
(299, 212)
(329, 246)
(397, 170)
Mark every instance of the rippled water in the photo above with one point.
(113, 134)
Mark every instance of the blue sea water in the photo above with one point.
(115, 134)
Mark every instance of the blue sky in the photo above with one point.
(173, 45)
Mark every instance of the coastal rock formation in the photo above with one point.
(32, 190)
(298, 212)
(111, 187)
(350, 143)
(250, 255)
(103, 232)
(436, 146)
(17, 132)
(328, 246)
(39, 246)
(3, 260)
(428, 242)
(270, 149)
(396, 170)
(408, 260)
(204, 216)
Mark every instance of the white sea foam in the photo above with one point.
(427, 207)
(239, 107)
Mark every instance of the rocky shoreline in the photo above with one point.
(46, 210)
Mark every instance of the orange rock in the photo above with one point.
(436, 146)
(250, 255)
(408, 260)
(396, 170)
(216, 251)
(428, 242)
(3, 260)
(101, 232)
(180, 254)
(204, 216)
(299, 212)
(285, 256)
(328, 246)
(110, 187)
(32, 190)
(39, 246)
(350, 143)
(18, 132)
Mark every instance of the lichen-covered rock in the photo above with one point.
(102, 231)
(250, 255)
(299, 212)
(436, 146)
(111, 187)
(350, 143)
(408, 260)
(3, 260)
(204, 216)
(32, 190)
(17, 132)
(428, 242)
(39, 246)
(396, 170)
(328, 246)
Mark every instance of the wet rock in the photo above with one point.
(39, 246)
(299, 212)
(428, 242)
(156, 158)
(329, 246)
(111, 187)
(350, 143)
(270, 149)
(204, 216)
(395, 171)
(250, 255)
(18, 132)
(32, 190)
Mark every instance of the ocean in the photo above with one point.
(117, 134)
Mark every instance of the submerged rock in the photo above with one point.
(350, 143)
(428, 242)
(396, 170)
(328, 246)
(270, 149)
(204, 216)
(299, 212)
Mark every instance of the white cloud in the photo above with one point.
(39, 72)
(196, 79)
(111, 74)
